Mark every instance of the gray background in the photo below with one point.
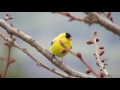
(44, 26)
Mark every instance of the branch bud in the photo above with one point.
(6, 43)
(95, 32)
(63, 51)
(97, 63)
(7, 17)
(97, 40)
(108, 14)
(89, 42)
(102, 74)
(12, 60)
(102, 52)
(88, 71)
(95, 56)
(102, 47)
(79, 55)
(111, 18)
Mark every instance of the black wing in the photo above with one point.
(51, 43)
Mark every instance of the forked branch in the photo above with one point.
(42, 50)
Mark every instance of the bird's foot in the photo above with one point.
(52, 58)
(61, 61)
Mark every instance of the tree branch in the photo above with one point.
(14, 44)
(42, 50)
(98, 54)
(67, 14)
(109, 25)
(95, 17)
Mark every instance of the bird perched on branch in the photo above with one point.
(57, 49)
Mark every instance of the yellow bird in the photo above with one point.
(57, 49)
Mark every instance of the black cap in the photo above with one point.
(68, 35)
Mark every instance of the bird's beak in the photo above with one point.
(70, 38)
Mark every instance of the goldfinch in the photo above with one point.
(57, 49)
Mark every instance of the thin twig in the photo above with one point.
(8, 60)
(70, 16)
(99, 62)
(97, 49)
(80, 57)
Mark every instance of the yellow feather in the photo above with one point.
(56, 48)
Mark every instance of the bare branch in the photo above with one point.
(8, 60)
(42, 50)
(95, 17)
(109, 25)
(37, 61)
(98, 54)
(71, 16)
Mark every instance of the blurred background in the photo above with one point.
(44, 26)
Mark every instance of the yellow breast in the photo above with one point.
(56, 47)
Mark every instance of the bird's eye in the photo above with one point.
(68, 35)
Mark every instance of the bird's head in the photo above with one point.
(68, 36)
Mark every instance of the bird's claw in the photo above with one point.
(61, 62)
(52, 58)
